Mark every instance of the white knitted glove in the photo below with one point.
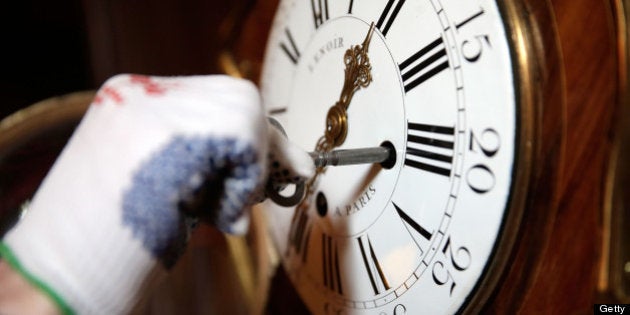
(109, 218)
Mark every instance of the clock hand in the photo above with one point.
(357, 76)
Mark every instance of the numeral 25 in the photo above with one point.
(460, 260)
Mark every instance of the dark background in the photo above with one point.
(51, 48)
(44, 51)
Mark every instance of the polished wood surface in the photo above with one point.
(566, 280)
(563, 276)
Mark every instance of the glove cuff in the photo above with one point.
(88, 276)
(9, 257)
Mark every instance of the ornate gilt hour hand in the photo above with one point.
(357, 75)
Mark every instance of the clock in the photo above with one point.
(448, 87)
(553, 259)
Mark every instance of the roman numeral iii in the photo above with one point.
(320, 11)
(423, 65)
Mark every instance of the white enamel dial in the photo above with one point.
(416, 237)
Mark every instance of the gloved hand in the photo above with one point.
(151, 157)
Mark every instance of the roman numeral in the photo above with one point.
(290, 49)
(387, 18)
(277, 111)
(320, 11)
(466, 21)
(300, 233)
(413, 224)
(372, 266)
(330, 264)
(423, 65)
(350, 7)
(430, 148)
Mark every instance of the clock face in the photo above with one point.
(415, 236)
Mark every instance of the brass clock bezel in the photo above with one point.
(531, 66)
(614, 274)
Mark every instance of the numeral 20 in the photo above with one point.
(480, 177)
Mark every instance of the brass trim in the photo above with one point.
(614, 274)
(24, 124)
(528, 49)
